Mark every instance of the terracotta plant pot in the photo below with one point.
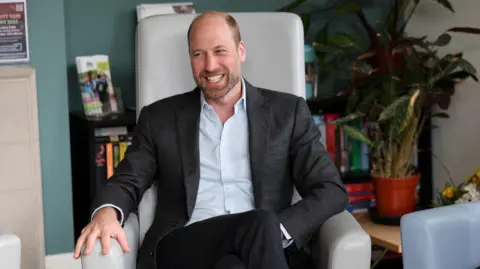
(395, 197)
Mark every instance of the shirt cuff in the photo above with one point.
(288, 239)
(110, 205)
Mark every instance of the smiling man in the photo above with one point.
(225, 158)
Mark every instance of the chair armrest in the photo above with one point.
(10, 250)
(116, 258)
(442, 237)
(341, 243)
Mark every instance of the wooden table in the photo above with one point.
(384, 236)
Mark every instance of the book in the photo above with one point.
(99, 96)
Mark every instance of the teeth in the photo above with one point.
(215, 78)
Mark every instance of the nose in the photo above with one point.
(210, 63)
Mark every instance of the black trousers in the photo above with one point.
(249, 240)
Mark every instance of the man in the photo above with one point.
(224, 157)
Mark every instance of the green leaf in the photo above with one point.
(369, 97)
(344, 40)
(461, 75)
(292, 6)
(321, 47)
(408, 42)
(440, 115)
(352, 101)
(357, 135)
(404, 7)
(443, 40)
(394, 108)
(347, 8)
(446, 4)
(322, 35)
(466, 30)
(363, 68)
(349, 118)
(466, 66)
(368, 55)
(451, 62)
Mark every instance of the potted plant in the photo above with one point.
(394, 85)
(394, 82)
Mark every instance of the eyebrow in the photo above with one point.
(215, 48)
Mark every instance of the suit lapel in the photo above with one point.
(187, 120)
(258, 113)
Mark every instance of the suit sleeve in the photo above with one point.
(133, 175)
(316, 178)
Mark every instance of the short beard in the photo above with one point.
(232, 80)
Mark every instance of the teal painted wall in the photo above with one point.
(62, 29)
(48, 57)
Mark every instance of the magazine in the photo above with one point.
(99, 97)
(147, 10)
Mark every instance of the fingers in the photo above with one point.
(92, 237)
(92, 232)
(80, 242)
(122, 240)
(105, 242)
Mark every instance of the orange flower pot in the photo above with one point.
(395, 197)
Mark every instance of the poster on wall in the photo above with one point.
(13, 32)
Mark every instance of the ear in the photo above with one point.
(242, 52)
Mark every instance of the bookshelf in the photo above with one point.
(89, 159)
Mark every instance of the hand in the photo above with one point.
(104, 225)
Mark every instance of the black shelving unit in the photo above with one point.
(85, 182)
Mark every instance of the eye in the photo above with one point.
(220, 50)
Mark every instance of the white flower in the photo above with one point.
(471, 194)
(464, 199)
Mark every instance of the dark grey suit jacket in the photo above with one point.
(285, 150)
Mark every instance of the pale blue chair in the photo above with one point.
(445, 237)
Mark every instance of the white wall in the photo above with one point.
(456, 142)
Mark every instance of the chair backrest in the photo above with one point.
(275, 60)
(442, 237)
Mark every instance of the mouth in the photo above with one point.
(214, 79)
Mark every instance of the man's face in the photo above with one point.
(215, 57)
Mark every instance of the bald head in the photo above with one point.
(215, 17)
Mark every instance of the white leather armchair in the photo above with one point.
(275, 60)
(10, 250)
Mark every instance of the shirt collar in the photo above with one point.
(242, 100)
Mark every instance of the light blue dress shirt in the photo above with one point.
(225, 180)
